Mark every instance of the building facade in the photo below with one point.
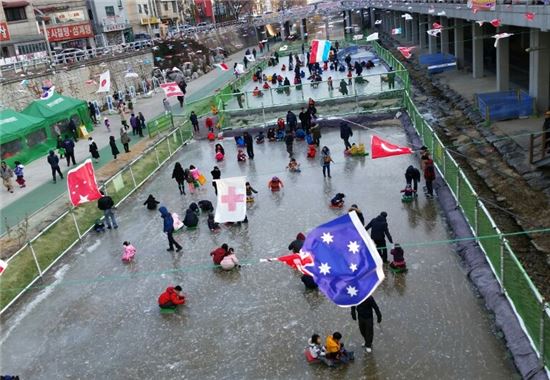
(19, 30)
(143, 17)
(110, 22)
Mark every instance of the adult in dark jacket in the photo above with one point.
(362, 313)
(412, 175)
(429, 176)
(68, 145)
(291, 121)
(114, 148)
(216, 174)
(303, 119)
(72, 128)
(191, 219)
(142, 125)
(206, 206)
(345, 134)
(93, 149)
(379, 233)
(53, 160)
(106, 204)
(297, 244)
(179, 175)
(169, 229)
(151, 202)
(249, 142)
(92, 111)
(194, 121)
(289, 141)
(355, 208)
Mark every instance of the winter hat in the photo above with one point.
(301, 236)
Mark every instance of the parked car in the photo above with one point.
(70, 55)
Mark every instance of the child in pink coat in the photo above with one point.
(129, 252)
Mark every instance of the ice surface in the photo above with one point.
(101, 319)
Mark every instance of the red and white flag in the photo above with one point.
(105, 82)
(3, 266)
(435, 25)
(231, 205)
(495, 22)
(434, 32)
(171, 89)
(406, 51)
(82, 184)
(294, 260)
(381, 148)
(222, 66)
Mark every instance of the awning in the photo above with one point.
(14, 3)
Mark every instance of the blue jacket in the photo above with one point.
(168, 220)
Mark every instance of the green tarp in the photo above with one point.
(14, 125)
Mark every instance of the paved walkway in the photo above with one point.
(41, 190)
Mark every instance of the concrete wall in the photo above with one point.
(72, 82)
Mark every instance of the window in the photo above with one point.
(31, 48)
(140, 11)
(110, 11)
(174, 7)
(165, 7)
(145, 9)
(15, 14)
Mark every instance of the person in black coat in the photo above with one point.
(72, 128)
(297, 244)
(379, 233)
(362, 313)
(355, 208)
(289, 142)
(249, 142)
(194, 121)
(151, 202)
(93, 149)
(114, 148)
(53, 160)
(291, 121)
(412, 175)
(68, 145)
(303, 120)
(191, 219)
(216, 174)
(179, 175)
(206, 206)
(345, 134)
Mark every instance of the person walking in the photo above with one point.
(93, 149)
(92, 111)
(142, 125)
(194, 121)
(122, 115)
(429, 175)
(216, 174)
(289, 142)
(72, 128)
(106, 204)
(412, 176)
(68, 146)
(134, 123)
(291, 121)
(245, 62)
(114, 148)
(249, 142)
(316, 134)
(345, 134)
(125, 139)
(254, 52)
(7, 174)
(53, 160)
(391, 78)
(326, 159)
(362, 313)
(379, 233)
(168, 229)
(179, 175)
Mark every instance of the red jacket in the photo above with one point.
(218, 255)
(209, 122)
(429, 170)
(171, 295)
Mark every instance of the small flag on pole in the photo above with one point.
(434, 32)
(372, 37)
(82, 185)
(231, 205)
(407, 17)
(381, 148)
(396, 31)
(499, 36)
(377, 22)
(320, 50)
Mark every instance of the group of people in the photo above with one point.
(7, 174)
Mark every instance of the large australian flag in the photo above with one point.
(345, 263)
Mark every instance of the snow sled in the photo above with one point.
(398, 269)
(407, 198)
(333, 206)
(167, 310)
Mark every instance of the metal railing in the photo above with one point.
(29, 264)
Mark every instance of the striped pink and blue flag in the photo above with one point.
(320, 50)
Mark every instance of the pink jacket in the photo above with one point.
(229, 262)
(129, 252)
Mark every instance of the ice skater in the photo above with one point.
(275, 184)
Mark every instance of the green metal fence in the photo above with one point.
(35, 258)
(530, 307)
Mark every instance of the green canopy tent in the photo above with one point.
(58, 110)
(22, 137)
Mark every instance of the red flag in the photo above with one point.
(171, 89)
(297, 260)
(3, 266)
(529, 16)
(406, 51)
(495, 22)
(82, 185)
(381, 148)
(435, 25)
(222, 66)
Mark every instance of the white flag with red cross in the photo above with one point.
(231, 206)
(171, 89)
(82, 184)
